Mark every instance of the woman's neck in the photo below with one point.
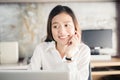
(61, 49)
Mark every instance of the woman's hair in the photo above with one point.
(55, 11)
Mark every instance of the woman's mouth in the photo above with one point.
(63, 37)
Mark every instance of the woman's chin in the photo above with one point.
(63, 43)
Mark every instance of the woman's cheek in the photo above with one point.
(72, 32)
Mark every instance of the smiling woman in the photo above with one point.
(63, 49)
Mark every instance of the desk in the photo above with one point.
(13, 67)
(112, 62)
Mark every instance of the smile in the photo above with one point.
(63, 37)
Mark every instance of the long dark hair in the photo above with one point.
(55, 11)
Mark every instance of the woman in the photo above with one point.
(63, 48)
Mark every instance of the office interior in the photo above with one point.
(23, 25)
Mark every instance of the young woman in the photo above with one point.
(63, 48)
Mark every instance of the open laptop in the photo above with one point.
(33, 75)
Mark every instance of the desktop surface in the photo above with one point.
(33, 75)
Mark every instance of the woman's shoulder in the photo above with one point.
(84, 51)
(83, 45)
(45, 45)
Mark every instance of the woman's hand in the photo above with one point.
(72, 45)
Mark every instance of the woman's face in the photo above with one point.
(62, 28)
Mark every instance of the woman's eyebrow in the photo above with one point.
(63, 22)
(54, 23)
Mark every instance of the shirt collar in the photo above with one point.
(51, 46)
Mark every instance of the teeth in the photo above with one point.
(62, 37)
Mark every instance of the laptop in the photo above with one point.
(33, 75)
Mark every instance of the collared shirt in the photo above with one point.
(47, 57)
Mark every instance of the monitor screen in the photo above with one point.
(97, 38)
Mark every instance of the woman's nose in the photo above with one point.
(62, 30)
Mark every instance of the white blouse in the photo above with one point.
(46, 57)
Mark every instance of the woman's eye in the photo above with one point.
(55, 26)
(66, 25)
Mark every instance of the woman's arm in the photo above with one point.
(83, 64)
(79, 67)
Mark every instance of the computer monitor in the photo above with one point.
(101, 38)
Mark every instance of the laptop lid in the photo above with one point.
(33, 75)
